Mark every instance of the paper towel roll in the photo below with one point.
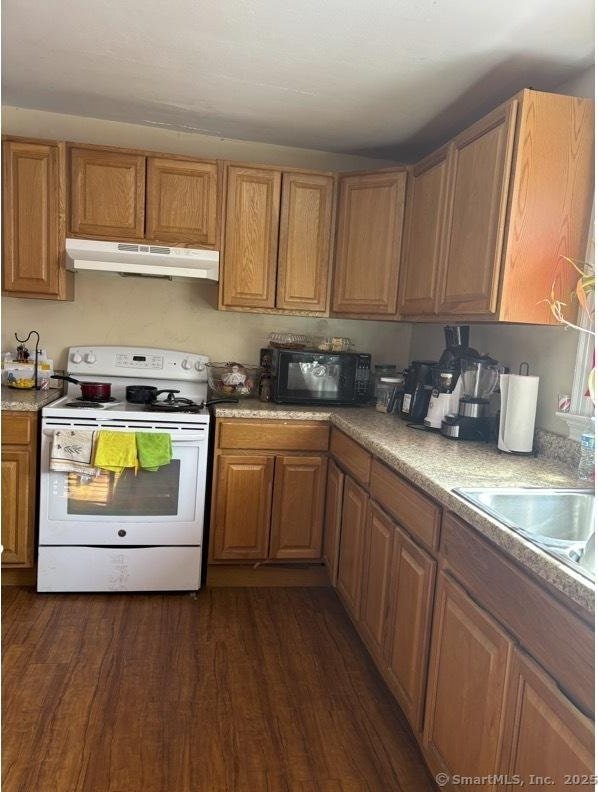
(518, 403)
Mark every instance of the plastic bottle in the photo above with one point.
(585, 470)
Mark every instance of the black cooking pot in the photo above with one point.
(141, 394)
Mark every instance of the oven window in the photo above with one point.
(143, 494)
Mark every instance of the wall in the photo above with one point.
(550, 351)
(57, 126)
(109, 309)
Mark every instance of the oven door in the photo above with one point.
(315, 378)
(163, 507)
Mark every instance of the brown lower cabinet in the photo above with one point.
(493, 672)
(19, 473)
(269, 489)
(350, 553)
(546, 735)
(469, 665)
(335, 481)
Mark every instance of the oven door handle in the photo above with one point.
(186, 439)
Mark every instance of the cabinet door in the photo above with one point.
(251, 237)
(425, 223)
(350, 559)
(547, 736)
(480, 177)
(377, 558)
(413, 575)
(304, 241)
(17, 507)
(243, 500)
(332, 519)
(33, 188)
(469, 664)
(107, 193)
(181, 204)
(298, 507)
(368, 246)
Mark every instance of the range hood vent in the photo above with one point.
(150, 260)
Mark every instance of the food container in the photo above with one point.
(233, 379)
(20, 376)
(386, 393)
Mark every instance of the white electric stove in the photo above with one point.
(138, 531)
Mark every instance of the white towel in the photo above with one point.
(72, 452)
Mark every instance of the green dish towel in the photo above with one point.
(153, 449)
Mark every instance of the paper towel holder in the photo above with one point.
(516, 420)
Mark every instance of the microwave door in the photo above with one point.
(314, 380)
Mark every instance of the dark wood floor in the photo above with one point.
(239, 690)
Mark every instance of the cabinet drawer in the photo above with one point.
(276, 435)
(561, 642)
(18, 429)
(351, 456)
(415, 512)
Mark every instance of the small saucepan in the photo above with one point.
(141, 394)
(90, 391)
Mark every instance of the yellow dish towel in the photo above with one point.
(115, 451)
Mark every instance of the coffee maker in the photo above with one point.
(418, 389)
(447, 382)
(472, 420)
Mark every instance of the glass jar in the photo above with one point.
(380, 370)
(386, 391)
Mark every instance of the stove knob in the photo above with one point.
(76, 357)
(90, 357)
(200, 366)
(186, 364)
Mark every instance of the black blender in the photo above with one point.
(479, 376)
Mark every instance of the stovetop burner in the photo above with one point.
(81, 403)
(87, 402)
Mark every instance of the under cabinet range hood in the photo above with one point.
(153, 261)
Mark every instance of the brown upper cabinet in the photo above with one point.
(181, 204)
(119, 194)
(424, 225)
(491, 215)
(277, 240)
(368, 245)
(34, 191)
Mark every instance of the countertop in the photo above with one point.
(437, 465)
(14, 399)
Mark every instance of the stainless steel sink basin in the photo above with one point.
(561, 521)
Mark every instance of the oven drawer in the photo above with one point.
(275, 435)
(118, 569)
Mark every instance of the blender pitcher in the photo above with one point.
(480, 378)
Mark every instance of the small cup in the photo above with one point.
(564, 402)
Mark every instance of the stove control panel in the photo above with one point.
(143, 362)
(132, 361)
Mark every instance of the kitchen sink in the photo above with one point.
(560, 521)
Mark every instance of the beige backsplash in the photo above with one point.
(110, 309)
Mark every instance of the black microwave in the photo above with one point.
(312, 377)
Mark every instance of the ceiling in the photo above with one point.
(388, 78)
